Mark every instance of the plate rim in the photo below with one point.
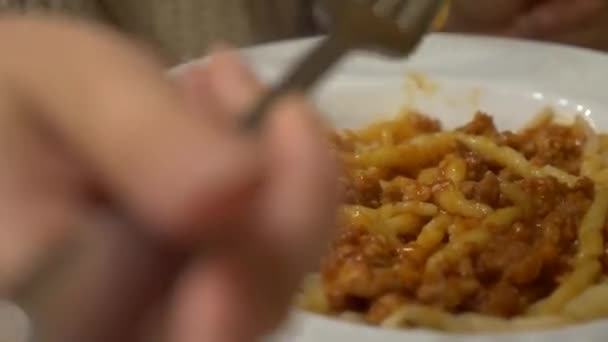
(265, 59)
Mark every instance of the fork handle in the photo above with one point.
(301, 78)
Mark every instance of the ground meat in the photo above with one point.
(401, 189)
(340, 143)
(448, 292)
(519, 265)
(423, 123)
(362, 187)
(515, 266)
(501, 299)
(556, 145)
(482, 124)
(498, 258)
(486, 191)
(365, 266)
(476, 166)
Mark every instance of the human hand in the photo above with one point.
(580, 22)
(86, 116)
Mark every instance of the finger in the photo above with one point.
(76, 299)
(303, 195)
(292, 223)
(235, 85)
(234, 89)
(225, 82)
(296, 215)
(195, 83)
(125, 121)
(555, 17)
(40, 191)
(212, 303)
(219, 295)
(216, 302)
(230, 88)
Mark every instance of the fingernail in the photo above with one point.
(194, 81)
(235, 84)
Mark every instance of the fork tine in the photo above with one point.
(393, 27)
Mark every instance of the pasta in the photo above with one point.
(468, 230)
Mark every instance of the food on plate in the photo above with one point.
(468, 230)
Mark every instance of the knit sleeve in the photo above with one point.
(10, 5)
(89, 9)
(185, 29)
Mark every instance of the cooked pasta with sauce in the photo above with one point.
(468, 230)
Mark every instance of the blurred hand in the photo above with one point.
(85, 114)
(577, 22)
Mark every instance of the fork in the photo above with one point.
(391, 27)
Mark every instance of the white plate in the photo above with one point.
(512, 80)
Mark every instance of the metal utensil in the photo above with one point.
(391, 27)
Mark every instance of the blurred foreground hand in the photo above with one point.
(86, 115)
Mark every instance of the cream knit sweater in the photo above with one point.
(185, 28)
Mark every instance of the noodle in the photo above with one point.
(513, 160)
(470, 230)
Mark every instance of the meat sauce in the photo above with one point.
(521, 263)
